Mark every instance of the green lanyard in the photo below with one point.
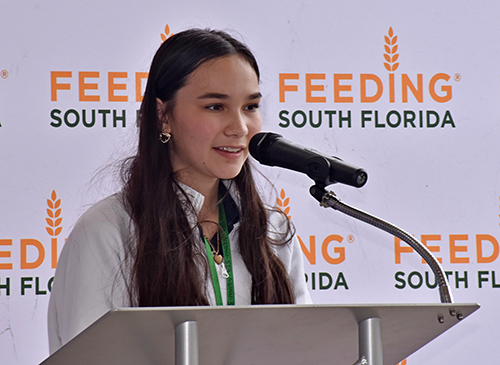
(226, 248)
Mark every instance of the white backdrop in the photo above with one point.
(377, 68)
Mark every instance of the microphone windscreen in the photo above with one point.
(260, 144)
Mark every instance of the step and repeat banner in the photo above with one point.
(410, 91)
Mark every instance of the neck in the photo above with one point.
(211, 194)
(209, 213)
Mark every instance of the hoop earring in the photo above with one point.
(165, 137)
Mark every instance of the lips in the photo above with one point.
(229, 149)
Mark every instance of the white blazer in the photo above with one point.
(89, 282)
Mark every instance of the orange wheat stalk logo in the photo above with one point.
(391, 48)
(54, 213)
(283, 202)
(167, 34)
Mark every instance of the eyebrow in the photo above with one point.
(254, 96)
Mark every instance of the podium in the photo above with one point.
(269, 334)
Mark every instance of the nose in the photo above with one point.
(237, 125)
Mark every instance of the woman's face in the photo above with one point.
(214, 117)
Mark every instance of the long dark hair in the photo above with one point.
(167, 263)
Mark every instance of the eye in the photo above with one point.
(252, 107)
(215, 107)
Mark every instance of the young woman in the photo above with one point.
(189, 227)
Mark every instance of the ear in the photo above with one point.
(163, 117)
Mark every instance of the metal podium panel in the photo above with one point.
(270, 334)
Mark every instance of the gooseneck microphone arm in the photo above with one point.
(329, 199)
(273, 150)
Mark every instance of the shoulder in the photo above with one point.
(282, 234)
(107, 212)
(279, 224)
(104, 219)
(99, 234)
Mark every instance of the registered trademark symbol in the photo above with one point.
(4, 74)
(457, 77)
(350, 238)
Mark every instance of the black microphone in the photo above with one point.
(273, 150)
